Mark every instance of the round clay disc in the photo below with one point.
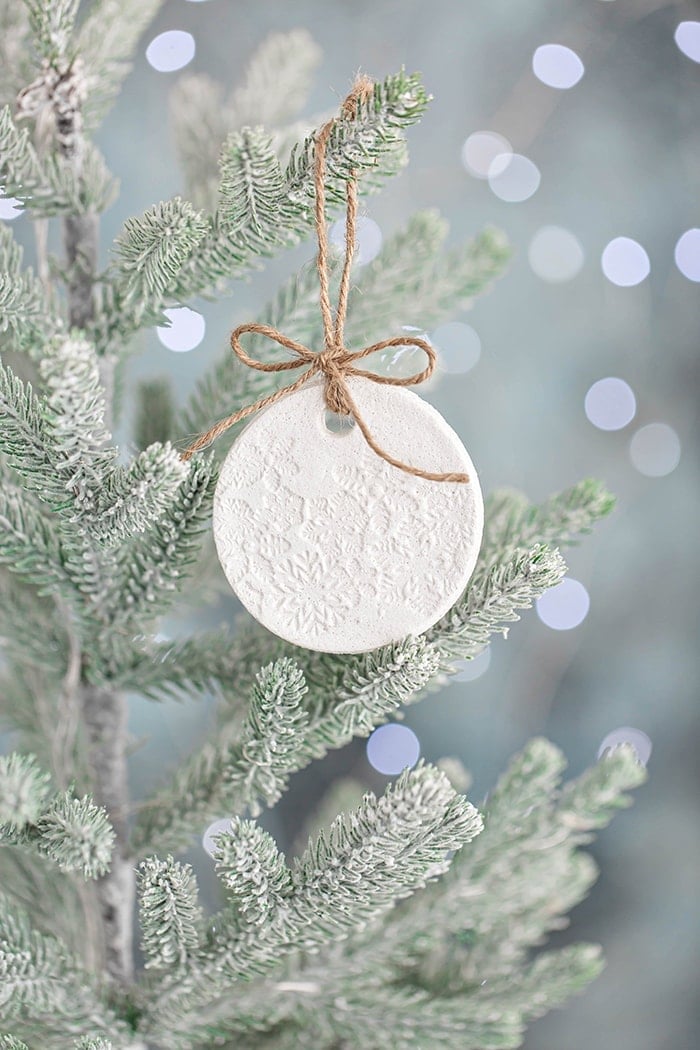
(329, 546)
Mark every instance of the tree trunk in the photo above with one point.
(104, 710)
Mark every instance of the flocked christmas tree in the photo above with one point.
(411, 920)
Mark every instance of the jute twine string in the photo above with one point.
(334, 362)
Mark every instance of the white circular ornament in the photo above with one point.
(329, 546)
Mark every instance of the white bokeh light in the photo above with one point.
(10, 208)
(401, 361)
(470, 670)
(687, 254)
(481, 149)
(636, 738)
(212, 831)
(186, 331)
(565, 606)
(513, 178)
(655, 450)
(557, 66)
(610, 404)
(555, 254)
(687, 37)
(458, 347)
(392, 747)
(171, 50)
(624, 262)
(368, 238)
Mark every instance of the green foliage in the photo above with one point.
(464, 956)
(49, 187)
(370, 142)
(411, 277)
(106, 41)
(493, 597)
(133, 498)
(23, 439)
(513, 521)
(151, 252)
(251, 188)
(390, 847)
(23, 790)
(234, 772)
(328, 947)
(152, 566)
(41, 986)
(26, 320)
(52, 26)
(72, 832)
(8, 1042)
(29, 546)
(253, 870)
(173, 252)
(274, 87)
(76, 835)
(155, 412)
(169, 914)
(415, 277)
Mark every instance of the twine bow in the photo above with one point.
(335, 361)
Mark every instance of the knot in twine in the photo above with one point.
(335, 361)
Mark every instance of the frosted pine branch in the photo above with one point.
(106, 42)
(133, 498)
(23, 790)
(254, 872)
(350, 696)
(511, 520)
(52, 26)
(251, 188)
(157, 260)
(494, 597)
(152, 250)
(370, 143)
(50, 187)
(8, 1042)
(470, 935)
(232, 774)
(30, 547)
(76, 835)
(26, 320)
(41, 984)
(274, 87)
(72, 832)
(169, 912)
(590, 801)
(391, 846)
(414, 278)
(410, 277)
(151, 567)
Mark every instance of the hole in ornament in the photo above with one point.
(338, 424)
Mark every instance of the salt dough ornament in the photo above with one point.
(343, 542)
(328, 545)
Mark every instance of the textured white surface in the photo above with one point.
(332, 548)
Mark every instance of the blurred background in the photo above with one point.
(572, 126)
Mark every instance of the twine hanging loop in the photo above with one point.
(335, 362)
